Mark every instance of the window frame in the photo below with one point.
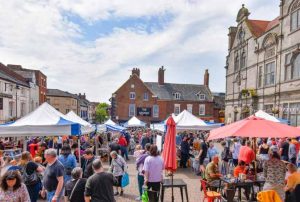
(199, 96)
(146, 96)
(293, 67)
(189, 106)
(11, 108)
(176, 106)
(236, 62)
(131, 106)
(243, 61)
(269, 73)
(177, 96)
(288, 67)
(132, 95)
(297, 12)
(202, 113)
(23, 109)
(155, 112)
(260, 76)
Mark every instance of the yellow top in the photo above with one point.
(268, 196)
(293, 180)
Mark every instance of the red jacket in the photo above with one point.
(122, 141)
(246, 154)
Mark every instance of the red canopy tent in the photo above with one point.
(169, 149)
(254, 127)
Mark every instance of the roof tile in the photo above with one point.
(259, 27)
(187, 91)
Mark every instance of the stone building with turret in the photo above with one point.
(263, 65)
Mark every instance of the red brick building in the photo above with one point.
(42, 83)
(153, 102)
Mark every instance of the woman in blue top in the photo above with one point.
(68, 160)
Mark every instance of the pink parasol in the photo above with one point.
(169, 149)
(255, 127)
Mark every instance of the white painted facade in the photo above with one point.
(15, 101)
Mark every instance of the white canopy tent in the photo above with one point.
(86, 127)
(43, 121)
(134, 122)
(110, 122)
(187, 121)
(264, 115)
(158, 126)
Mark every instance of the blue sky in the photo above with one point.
(91, 46)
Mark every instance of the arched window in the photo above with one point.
(295, 15)
(243, 60)
(236, 62)
(296, 67)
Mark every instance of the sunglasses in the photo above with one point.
(12, 177)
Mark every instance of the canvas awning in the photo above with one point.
(187, 121)
(43, 121)
(134, 122)
(86, 127)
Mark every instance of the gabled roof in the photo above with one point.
(83, 102)
(9, 75)
(259, 27)
(132, 77)
(187, 91)
(60, 93)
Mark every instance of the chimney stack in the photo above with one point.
(161, 75)
(206, 78)
(136, 71)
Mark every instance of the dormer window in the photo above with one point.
(177, 96)
(201, 96)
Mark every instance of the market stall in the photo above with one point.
(134, 123)
(44, 121)
(187, 121)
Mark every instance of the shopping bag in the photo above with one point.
(125, 180)
(145, 197)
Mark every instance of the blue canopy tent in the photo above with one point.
(44, 121)
(109, 125)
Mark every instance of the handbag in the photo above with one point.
(32, 179)
(70, 197)
(125, 180)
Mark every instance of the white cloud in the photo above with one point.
(37, 34)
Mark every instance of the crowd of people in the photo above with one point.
(58, 169)
(275, 160)
(50, 169)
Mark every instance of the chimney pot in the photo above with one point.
(206, 78)
(135, 71)
(161, 75)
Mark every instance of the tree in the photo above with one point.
(101, 112)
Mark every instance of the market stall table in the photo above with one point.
(177, 183)
(238, 184)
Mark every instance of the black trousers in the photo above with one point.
(153, 191)
(183, 160)
(235, 162)
(293, 160)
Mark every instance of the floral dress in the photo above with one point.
(19, 195)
